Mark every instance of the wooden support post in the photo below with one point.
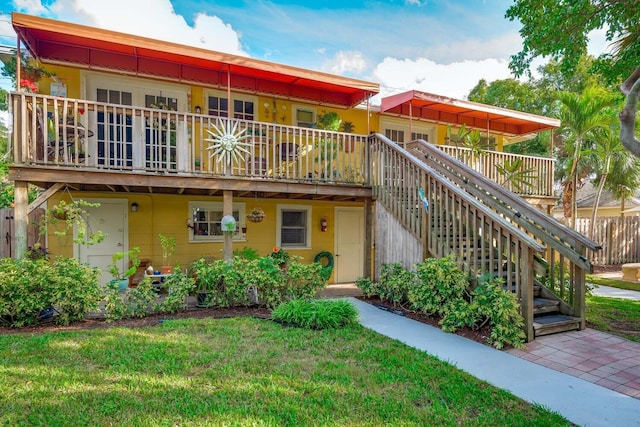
(227, 209)
(368, 237)
(579, 293)
(526, 291)
(21, 218)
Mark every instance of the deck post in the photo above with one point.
(227, 209)
(368, 239)
(21, 218)
(579, 303)
(526, 292)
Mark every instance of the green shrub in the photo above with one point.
(209, 277)
(178, 286)
(140, 300)
(500, 309)
(115, 306)
(316, 314)
(303, 281)
(395, 282)
(75, 289)
(459, 313)
(368, 287)
(247, 253)
(24, 290)
(265, 276)
(30, 286)
(440, 283)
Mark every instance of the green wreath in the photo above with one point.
(328, 268)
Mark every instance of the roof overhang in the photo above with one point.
(441, 109)
(65, 43)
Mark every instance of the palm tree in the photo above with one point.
(581, 114)
(606, 151)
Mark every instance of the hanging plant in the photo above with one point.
(256, 215)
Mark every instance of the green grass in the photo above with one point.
(615, 283)
(242, 371)
(614, 315)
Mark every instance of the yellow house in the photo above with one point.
(190, 143)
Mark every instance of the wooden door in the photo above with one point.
(111, 218)
(349, 246)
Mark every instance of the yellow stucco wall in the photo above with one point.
(167, 214)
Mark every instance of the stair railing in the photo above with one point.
(492, 244)
(565, 265)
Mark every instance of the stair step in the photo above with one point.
(554, 323)
(545, 305)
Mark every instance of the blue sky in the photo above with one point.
(439, 46)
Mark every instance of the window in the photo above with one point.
(206, 220)
(394, 135)
(418, 135)
(294, 226)
(217, 106)
(305, 117)
(243, 106)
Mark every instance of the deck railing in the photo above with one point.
(456, 224)
(65, 132)
(527, 176)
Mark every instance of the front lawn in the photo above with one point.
(614, 315)
(242, 371)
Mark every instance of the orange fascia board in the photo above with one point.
(66, 43)
(442, 109)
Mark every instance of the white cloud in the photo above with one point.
(345, 62)
(158, 22)
(454, 80)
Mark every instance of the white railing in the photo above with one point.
(65, 132)
(533, 176)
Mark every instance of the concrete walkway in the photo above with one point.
(608, 291)
(580, 401)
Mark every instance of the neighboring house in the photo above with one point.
(170, 138)
(609, 205)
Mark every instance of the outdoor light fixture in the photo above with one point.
(198, 109)
(134, 207)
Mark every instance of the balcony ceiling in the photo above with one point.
(57, 42)
(437, 108)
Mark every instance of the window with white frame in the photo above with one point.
(294, 226)
(243, 106)
(305, 117)
(206, 221)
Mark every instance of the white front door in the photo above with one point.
(111, 218)
(349, 238)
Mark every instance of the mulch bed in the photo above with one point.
(479, 335)
(150, 320)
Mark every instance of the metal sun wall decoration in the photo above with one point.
(226, 141)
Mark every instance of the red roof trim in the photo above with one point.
(437, 108)
(78, 45)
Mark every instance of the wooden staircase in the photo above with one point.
(486, 229)
(550, 313)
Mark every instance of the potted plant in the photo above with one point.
(122, 277)
(168, 244)
(256, 215)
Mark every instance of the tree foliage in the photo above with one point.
(560, 30)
